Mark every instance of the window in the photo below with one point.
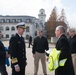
(19, 20)
(7, 20)
(30, 20)
(1, 28)
(13, 28)
(27, 29)
(41, 12)
(41, 17)
(36, 25)
(7, 28)
(7, 36)
(2, 20)
(27, 20)
(41, 24)
(13, 20)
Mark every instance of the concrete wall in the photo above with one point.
(54, 39)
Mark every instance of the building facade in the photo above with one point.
(8, 24)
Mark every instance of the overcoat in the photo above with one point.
(2, 60)
(2, 54)
(63, 45)
(18, 54)
(72, 42)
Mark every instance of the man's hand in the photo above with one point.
(17, 68)
(7, 55)
(47, 58)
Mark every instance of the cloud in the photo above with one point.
(27, 7)
(70, 15)
(32, 7)
(72, 20)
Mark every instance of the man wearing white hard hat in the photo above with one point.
(18, 51)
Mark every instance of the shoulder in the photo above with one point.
(36, 39)
(44, 38)
(13, 38)
(74, 37)
(63, 39)
(1, 43)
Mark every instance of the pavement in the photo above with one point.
(30, 62)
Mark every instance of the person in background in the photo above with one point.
(3, 56)
(30, 41)
(72, 41)
(40, 44)
(7, 58)
(63, 45)
(17, 50)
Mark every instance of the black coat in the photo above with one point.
(30, 39)
(2, 54)
(63, 45)
(40, 45)
(17, 51)
(72, 42)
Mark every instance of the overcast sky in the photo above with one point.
(32, 7)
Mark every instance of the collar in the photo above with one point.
(61, 35)
(19, 35)
(40, 37)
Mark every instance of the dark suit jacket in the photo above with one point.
(30, 39)
(40, 45)
(72, 42)
(63, 45)
(17, 51)
(2, 54)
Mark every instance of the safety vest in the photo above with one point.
(53, 60)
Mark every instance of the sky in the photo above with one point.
(32, 7)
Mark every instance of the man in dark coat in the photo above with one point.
(63, 45)
(17, 51)
(2, 58)
(72, 41)
(30, 41)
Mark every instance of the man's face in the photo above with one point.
(20, 30)
(71, 33)
(57, 32)
(40, 33)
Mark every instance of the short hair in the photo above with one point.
(40, 29)
(72, 30)
(61, 28)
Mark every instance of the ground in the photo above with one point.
(30, 61)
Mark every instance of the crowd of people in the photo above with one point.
(17, 51)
